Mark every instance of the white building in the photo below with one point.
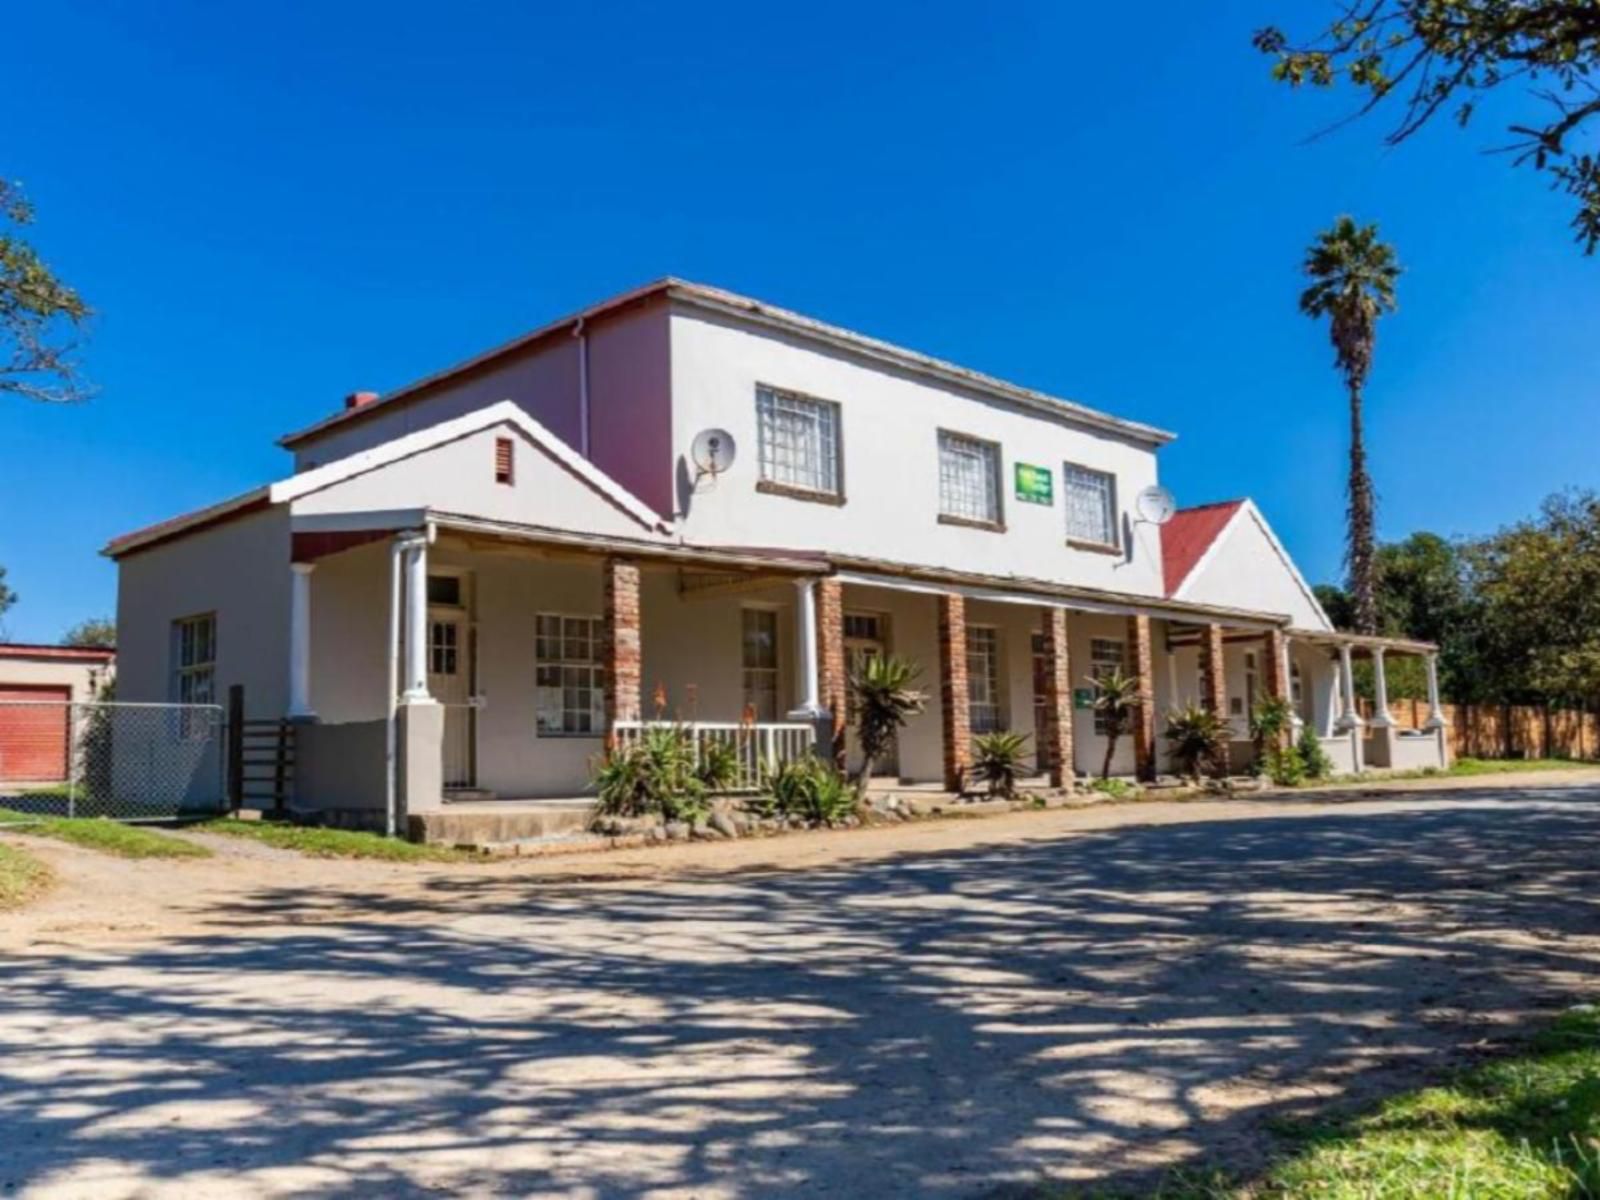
(523, 552)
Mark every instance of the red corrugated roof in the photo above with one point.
(1186, 538)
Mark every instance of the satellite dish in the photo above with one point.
(712, 451)
(1155, 505)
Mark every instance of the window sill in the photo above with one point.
(1093, 547)
(799, 493)
(972, 523)
(555, 735)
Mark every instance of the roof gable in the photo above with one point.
(1186, 538)
(1227, 554)
(448, 468)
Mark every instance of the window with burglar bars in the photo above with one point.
(194, 659)
(1091, 504)
(760, 662)
(969, 478)
(569, 675)
(1106, 655)
(983, 679)
(799, 441)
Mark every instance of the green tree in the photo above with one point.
(1445, 55)
(96, 631)
(1335, 602)
(39, 314)
(1352, 277)
(7, 596)
(1537, 586)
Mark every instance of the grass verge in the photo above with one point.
(1526, 1127)
(99, 833)
(335, 843)
(22, 877)
(1508, 766)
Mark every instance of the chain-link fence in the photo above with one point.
(130, 762)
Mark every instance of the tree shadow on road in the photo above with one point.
(936, 1024)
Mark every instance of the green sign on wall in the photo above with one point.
(1082, 697)
(1035, 484)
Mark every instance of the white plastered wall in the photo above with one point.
(83, 680)
(237, 569)
(889, 435)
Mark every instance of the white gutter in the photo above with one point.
(397, 549)
(583, 386)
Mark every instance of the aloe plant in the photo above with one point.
(997, 759)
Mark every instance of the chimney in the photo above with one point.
(360, 399)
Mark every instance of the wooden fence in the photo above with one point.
(1506, 731)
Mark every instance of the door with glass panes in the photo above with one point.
(450, 676)
(866, 637)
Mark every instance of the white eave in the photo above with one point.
(504, 413)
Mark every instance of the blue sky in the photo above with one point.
(269, 211)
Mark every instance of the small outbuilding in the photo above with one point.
(37, 683)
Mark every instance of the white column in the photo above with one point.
(1348, 717)
(300, 642)
(1380, 690)
(416, 605)
(805, 640)
(1297, 723)
(1435, 711)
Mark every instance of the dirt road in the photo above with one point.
(933, 1009)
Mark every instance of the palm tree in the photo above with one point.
(1116, 696)
(1352, 284)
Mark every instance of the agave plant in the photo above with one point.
(1199, 740)
(997, 759)
(885, 698)
(1116, 698)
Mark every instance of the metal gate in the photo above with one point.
(130, 762)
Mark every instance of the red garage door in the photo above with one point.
(33, 736)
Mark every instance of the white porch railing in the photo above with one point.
(759, 748)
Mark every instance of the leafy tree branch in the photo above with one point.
(1437, 55)
(39, 315)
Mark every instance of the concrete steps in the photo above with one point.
(491, 823)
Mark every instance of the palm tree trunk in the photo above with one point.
(1363, 557)
(1111, 749)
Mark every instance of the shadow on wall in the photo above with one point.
(937, 1025)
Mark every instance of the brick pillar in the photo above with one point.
(1144, 715)
(1054, 734)
(620, 652)
(834, 686)
(953, 690)
(1213, 681)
